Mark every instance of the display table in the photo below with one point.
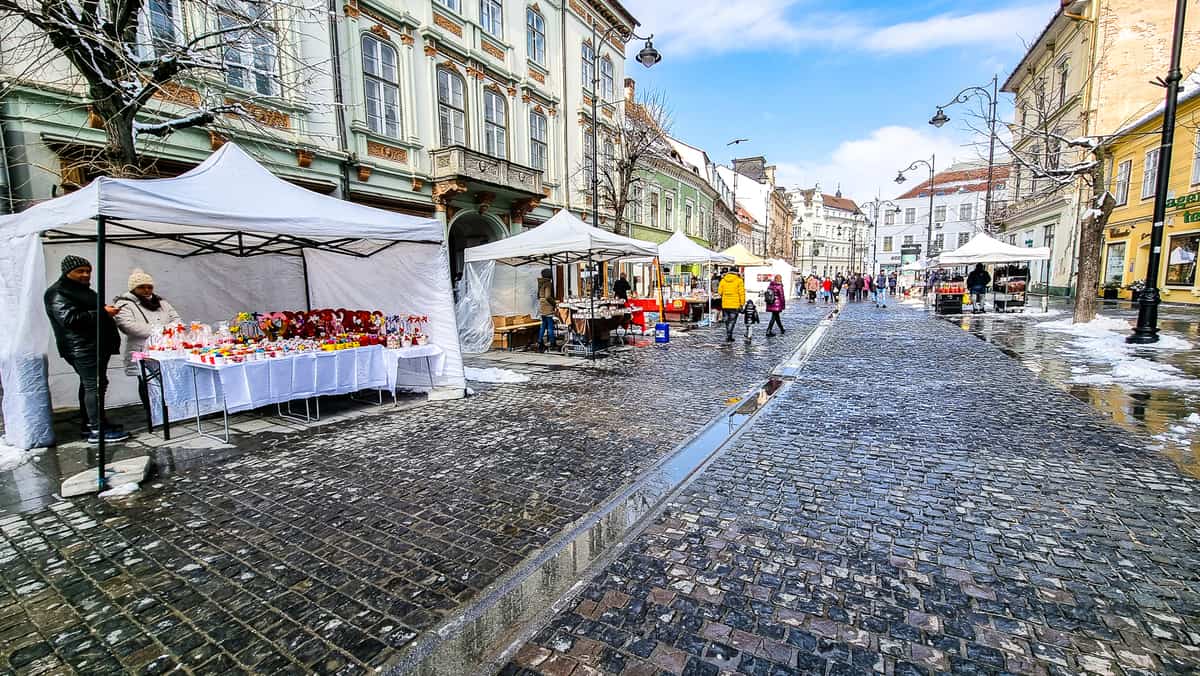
(192, 389)
(687, 310)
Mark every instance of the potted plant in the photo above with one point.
(1110, 290)
(1136, 289)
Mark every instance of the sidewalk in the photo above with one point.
(332, 551)
(916, 506)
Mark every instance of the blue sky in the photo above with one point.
(831, 90)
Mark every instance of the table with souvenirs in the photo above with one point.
(285, 359)
(591, 321)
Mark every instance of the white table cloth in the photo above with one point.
(414, 366)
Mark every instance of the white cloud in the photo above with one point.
(863, 166)
(713, 26)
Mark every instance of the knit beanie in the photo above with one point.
(138, 278)
(69, 263)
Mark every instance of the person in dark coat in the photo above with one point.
(977, 284)
(777, 304)
(71, 306)
(621, 288)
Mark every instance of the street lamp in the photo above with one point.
(941, 118)
(733, 165)
(931, 163)
(876, 204)
(1146, 330)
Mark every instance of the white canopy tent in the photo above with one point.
(985, 249)
(681, 249)
(563, 239)
(758, 277)
(223, 237)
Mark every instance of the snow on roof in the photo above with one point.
(695, 158)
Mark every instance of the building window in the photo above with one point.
(687, 218)
(1114, 264)
(908, 240)
(452, 111)
(1122, 187)
(1196, 159)
(633, 208)
(450, 4)
(1017, 182)
(535, 36)
(963, 238)
(539, 149)
(669, 212)
(495, 124)
(964, 212)
(653, 209)
(887, 243)
(889, 217)
(1035, 156)
(606, 79)
(939, 214)
(1150, 174)
(1064, 72)
(491, 17)
(939, 240)
(588, 56)
(910, 216)
(157, 28)
(610, 156)
(1181, 261)
(382, 86)
(250, 58)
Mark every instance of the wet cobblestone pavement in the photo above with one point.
(917, 502)
(330, 553)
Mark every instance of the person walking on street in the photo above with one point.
(891, 284)
(71, 307)
(732, 291)
(881, 289)
(813, 285)
(838, 283)
(547, 304)
(776, 302)
(977, 284)
(827, 289)
(138, 311)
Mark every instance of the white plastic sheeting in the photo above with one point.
(488, 289)
(227, 198)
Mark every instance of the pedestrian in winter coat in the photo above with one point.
(778, 303)
(733, 296)
(812, 286)
(546, 306)
(827, 289)
(71, 307)
(138, 311)
(881, 289)
(977, 284)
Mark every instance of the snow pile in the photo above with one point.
(494, 375)
(1102, 341)
(120, 491)
(12, 457)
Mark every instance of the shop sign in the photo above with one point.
(1191, 217)
(1184, 201)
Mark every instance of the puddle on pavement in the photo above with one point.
(1167, 414)
(477, 640)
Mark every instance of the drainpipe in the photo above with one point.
(338, 110)
(9, 205)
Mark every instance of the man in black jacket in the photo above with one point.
(977, 284)
(71, 307)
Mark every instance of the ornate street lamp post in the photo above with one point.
(931, 163)
(877, 204)
(941, 118)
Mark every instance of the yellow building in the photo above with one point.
(1132, 171)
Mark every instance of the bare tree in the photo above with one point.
(130, 61)
(631, 149)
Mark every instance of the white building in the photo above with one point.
(755, 198)
(958, 213)
(829, 232)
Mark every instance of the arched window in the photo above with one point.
(535, 36)
(381, 85)
(539, 149)
(606, 79)
(452, 110)
(588, 55)
(495, 123)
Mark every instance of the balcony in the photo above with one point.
(1005, 213)
(457, 163)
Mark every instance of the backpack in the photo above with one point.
(769, 297)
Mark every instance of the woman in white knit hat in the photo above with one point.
(139, 310)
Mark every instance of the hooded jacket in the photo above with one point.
(136, 321)
(546, 301)
(732, 291)
(780, 300)
(71, 307)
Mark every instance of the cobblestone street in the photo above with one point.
(916, 502)
(332, 552)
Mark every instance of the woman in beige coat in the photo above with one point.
(139, 310)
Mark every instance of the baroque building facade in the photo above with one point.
(829, 233)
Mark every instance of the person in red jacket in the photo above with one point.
(776, 302)
(827, 289)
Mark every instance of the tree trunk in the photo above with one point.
(120, 153)
(1091, 239)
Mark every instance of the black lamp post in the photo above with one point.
(941, 118)
(931, 163)
(877, 204)
(1146, 330)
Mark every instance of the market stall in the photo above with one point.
(683, 303)
(1009, 282)
(742, 257)
(224, 237)
(562, 240)
(758, 277)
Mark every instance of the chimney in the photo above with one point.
(630, 90)
(769, 170)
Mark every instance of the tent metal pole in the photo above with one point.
(592, 300)
(307, 293)
(101, 366)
